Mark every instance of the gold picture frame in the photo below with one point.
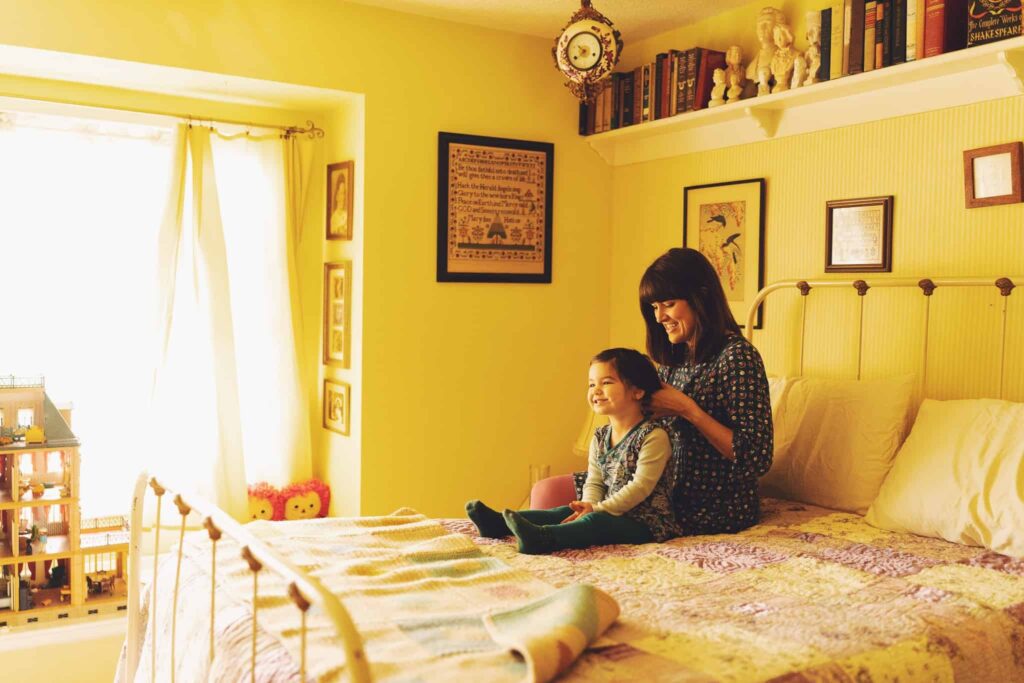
(337, 406)
(725, 222)
(858, 235)
(340, 200)
(337, 320)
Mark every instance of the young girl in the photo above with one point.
(626, 498)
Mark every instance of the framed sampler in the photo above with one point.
(493, 209)
(858, 235)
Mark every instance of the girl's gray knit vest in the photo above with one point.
(618, 465)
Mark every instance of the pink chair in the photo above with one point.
(552, 492)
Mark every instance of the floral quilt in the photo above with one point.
(808, 595)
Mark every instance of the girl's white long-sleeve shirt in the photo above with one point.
(651, 461)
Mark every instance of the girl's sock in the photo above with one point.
(533, 539)
(488, 522)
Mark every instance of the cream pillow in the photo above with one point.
(835, 439)
(959, 476)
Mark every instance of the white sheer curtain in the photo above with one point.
(165, 317)
(228, 378)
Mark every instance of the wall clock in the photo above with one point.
(586, 51)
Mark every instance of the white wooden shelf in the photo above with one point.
(976, 74)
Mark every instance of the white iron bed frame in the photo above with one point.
(306, 591)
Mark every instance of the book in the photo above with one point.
(825, 70)
(911, 30)
(680, 71)
(646, 104)
(638, 87)
(583, 118)
(945, 26)
(847, 34)
(879, 33)
(707, 62)
(667, 85)
(987, 25)
(919, 43)
(614, 84)
(857, 9)
(899, 31)
(692, 70)
(660, 60)
(836, 64)
(869, 34)
(627, 99)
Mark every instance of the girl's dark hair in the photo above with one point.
(686, 274)
(634, 368)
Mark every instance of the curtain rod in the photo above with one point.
(310, 129)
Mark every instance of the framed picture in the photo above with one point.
(493, 209)
(337, 404)
(858, 235)
(992, 175)
(337, 313)
(340, 194)
(725, 222)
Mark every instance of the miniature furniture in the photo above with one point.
(45, 547)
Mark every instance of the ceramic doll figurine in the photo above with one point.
(813, 54)
(718, 91)
(760, 68)
(787, 61)
(734, 69)
(735, 91)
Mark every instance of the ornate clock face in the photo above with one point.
(584, 50)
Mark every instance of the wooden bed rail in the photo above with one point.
(304, 590)
(1005, 285)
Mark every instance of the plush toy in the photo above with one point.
(265, 502)
(306, 500)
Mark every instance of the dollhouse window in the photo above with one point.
(26, 417)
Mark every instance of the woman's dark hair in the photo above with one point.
(634, 368)
(686, 274)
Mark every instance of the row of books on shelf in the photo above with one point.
(856, 36)
(677, 81)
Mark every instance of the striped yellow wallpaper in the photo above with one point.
(919, 160)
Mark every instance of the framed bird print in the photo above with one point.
(725, 222)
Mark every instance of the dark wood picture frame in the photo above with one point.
(334, 228)
(860, 246)
(1009, 172)
(337, 321)
(462, 253)
(733, 254)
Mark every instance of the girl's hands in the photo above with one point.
(579, 509)
(670, 402)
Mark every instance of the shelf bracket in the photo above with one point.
(766, 120)
(1013, 60)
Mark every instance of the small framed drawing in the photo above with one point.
(725, 222)
(340, 197)
(337, 404)
(858, 235)
(992, 175)
(337, 315)
(493, 209)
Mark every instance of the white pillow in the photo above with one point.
(959, 476)
(835, 439)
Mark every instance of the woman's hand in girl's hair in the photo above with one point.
(579, 508)
(670, 402)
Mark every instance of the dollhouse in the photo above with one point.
(53, 565)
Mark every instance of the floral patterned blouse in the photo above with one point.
(713, 494)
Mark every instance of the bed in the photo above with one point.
(812, 593)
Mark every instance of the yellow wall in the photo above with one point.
(918, 159)
(462, 385)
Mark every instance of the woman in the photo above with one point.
(714, 397)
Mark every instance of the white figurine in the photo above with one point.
(734, 72)
(735, 91)
(813, 54)
(787, 61)
(718, 91)
(760, 68)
